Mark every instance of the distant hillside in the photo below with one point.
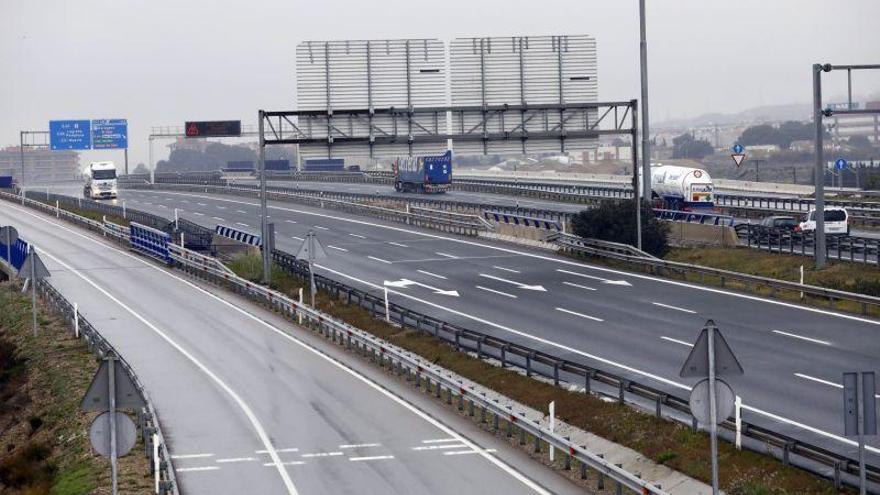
(766, 113)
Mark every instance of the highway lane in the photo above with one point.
(248, 408)
(791, 354)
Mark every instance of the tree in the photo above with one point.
(618, 142)
(615, 221)
(782, 136)
(686, 146)
(860, 142)
(141, 169)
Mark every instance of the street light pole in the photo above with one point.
(819, 212)
(646, 145)
(21, 149)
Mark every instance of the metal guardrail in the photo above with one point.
(421, 370)
(693, 217)
(840, 247)
(536, 362)
(580, 246)
(161, 467)
(600, 245)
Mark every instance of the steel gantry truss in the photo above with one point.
(472, 129)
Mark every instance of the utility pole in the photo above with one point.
(819, 212)
(646, 145)
(264, 219)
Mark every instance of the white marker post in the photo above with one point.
(713, 411)
(33, 285)
(802, 280)
(299, 314)
(552, 428)
(156, 461)
(76, 320)
(737, 414)
(387, 312)
(123, 209)
(111, 370)
(176, 219)
(57, 210)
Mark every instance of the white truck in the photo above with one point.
(100, 181)
(682, 188)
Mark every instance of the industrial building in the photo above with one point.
(40, 164)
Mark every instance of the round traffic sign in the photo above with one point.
(99, 434)
(737, 148)
(724, 401)
(840, 164)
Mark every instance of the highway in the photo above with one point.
(251, 405)
(636, 325)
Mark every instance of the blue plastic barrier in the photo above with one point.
(150, 241)
(19, 253)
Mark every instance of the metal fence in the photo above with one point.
(535, 362)
(840, 247)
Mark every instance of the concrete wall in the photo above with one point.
(695, 234)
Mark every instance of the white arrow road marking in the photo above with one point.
(519, 285)
(603, 280)
(405, 282)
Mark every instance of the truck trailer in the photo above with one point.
(424, 174)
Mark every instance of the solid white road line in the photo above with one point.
(579, 314)
(652, 376)
(321, 454)
(432, 274)
(511, 270)
(670, 339)
(358, 236)
(242, 224)
(440, 440)
(297, 238)
(808, 339)
(579, 286)
(398, 244)
(194, 469)
(191, 456)
(249, 413)
(360, 445)
(667, 306)
(287, 463)
(371, 458)
(445, 255)
(236, 459)
(337, 248)
(441, 446)
(505, 294)
(379, 259)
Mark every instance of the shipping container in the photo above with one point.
(324, 165)
(425, 174)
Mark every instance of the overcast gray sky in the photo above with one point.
(160, 62)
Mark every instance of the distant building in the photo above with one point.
(607, 153)
(762, 149)
(40, 164)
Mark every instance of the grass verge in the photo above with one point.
(666, 442)
(44, 441)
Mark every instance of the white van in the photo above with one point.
(100, 181)
(836, 221)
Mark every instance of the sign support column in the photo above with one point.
(264, 227)
(111, 380)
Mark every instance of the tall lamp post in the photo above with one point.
(646, 145)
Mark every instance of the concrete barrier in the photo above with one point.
(695, 234)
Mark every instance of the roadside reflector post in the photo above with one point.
(104, 218)
(57, 210)
(387, 312)
(299, 313)
(156, 461)
(76, 320)
(802, 280)
(737, 412)
(176, 220)
(552, 428)
(123, 209)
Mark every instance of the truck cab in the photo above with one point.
(100, 181)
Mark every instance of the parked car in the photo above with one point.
(836, 221)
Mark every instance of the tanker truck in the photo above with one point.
(682, 188)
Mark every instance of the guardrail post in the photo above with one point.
(618, 488)
(522, 436)
(457, 340)
(786, 448)
(529, 363)
(537, 444)
(494, 423)
(460, 400)
(471, 409)
(621, 388)
(837, 481)
(556, 373)
(600, 479)
(659, 405)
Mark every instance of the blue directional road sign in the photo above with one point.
(840, 164)
(109, 134)
(737, 148)
(70, 135)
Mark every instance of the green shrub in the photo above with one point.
(616, 221)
